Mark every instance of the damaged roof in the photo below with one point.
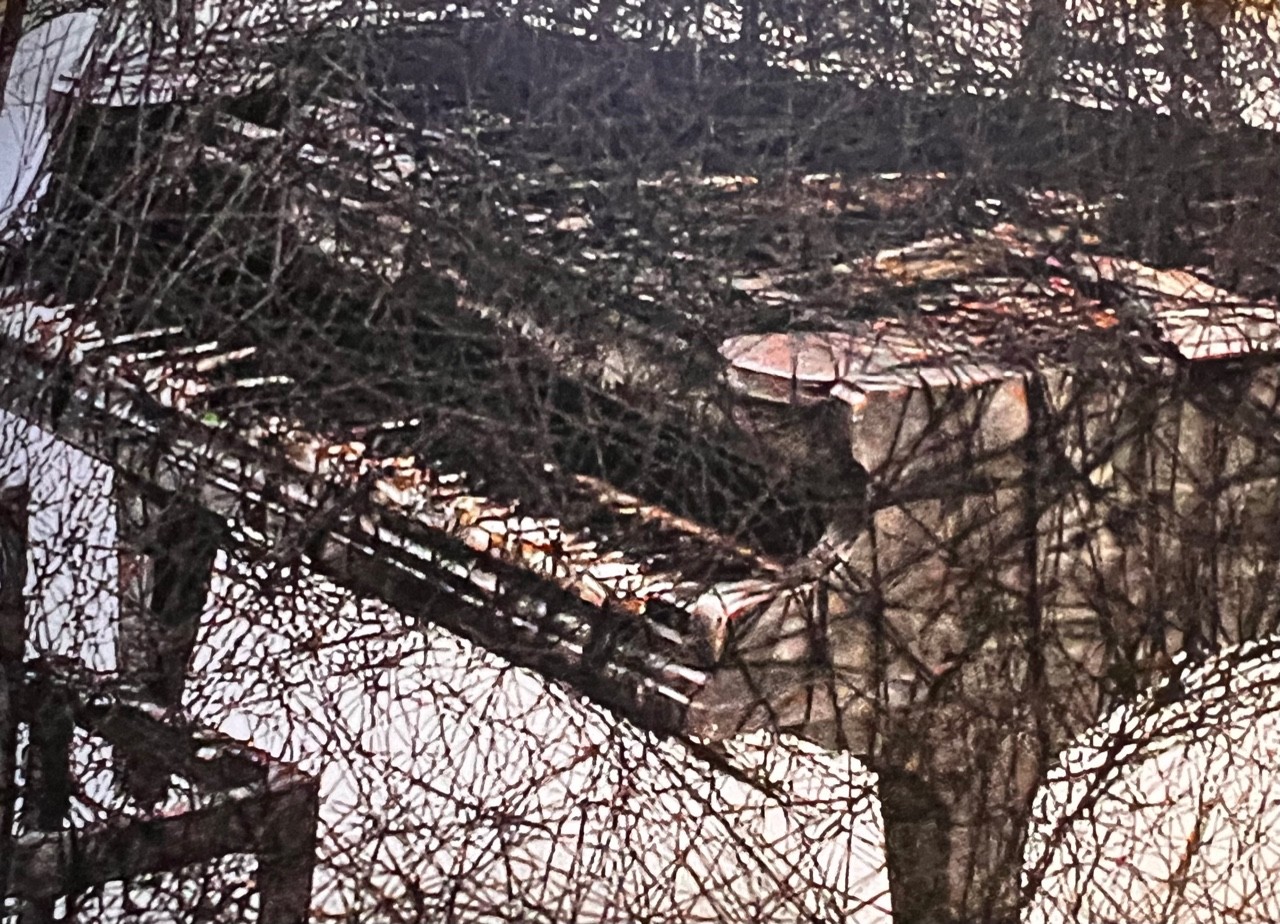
(508, 344)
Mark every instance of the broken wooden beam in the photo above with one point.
(636, 638)
(249, 803)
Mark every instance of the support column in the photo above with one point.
(916, 643)
(166, 553)
(48, 782)
(13, 632)
(957, 774)
(1044, 41)
(1195, 58)
(287, 860)
(961, 738)
(47, 773)
(947, 570)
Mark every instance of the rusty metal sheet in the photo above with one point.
(791, 367)
(1200, 320)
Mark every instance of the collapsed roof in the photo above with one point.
(578, 329)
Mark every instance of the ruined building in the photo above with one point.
(900, 378)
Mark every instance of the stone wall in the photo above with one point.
(1038, 544)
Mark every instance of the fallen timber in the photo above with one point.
(393, 529)
(1058, 457)
(245, 801)
(232, 798)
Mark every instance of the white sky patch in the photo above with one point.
(71, 559)
(444, 768)
(55, 49)
(1170, 815)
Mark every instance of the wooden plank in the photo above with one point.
(625, 660)
(277, 824)
(251, 804)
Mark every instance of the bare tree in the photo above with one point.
(638, 461)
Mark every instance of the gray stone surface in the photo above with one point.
(1038, 546)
